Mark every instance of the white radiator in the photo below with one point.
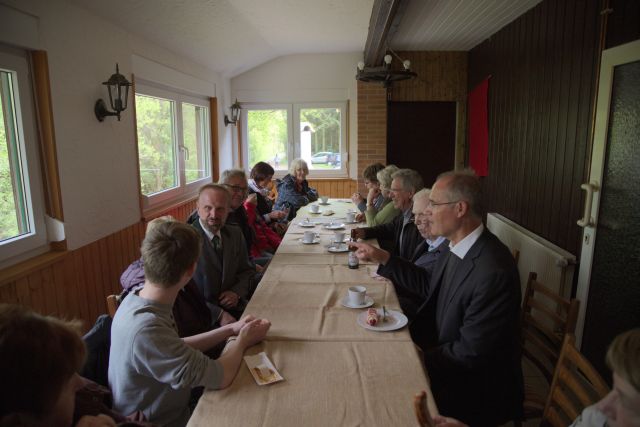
(554, 265)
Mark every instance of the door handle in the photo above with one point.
(586, 220)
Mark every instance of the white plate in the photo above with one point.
(395, 320)
(315, 213)
(338, 249)
(324, 204)
(351, 222)
(315, 240)
(334, 226)
(306, 224)
(368, 302)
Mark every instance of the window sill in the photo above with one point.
(162, 208)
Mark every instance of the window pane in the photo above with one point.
(320, 136)
(13, 203)
(268, 138)
(196, 141)
(156, 147)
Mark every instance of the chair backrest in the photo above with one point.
(546, 319)
(112, 304)
(422, 411)
(576, 385)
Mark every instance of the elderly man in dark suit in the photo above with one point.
(408, 275)
(224, 274)
(468, 326)
(400, 236)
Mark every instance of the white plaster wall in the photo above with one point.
(305, 78)
(97, 161)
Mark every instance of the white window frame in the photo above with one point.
(35, 241)
(293, 136)
(183, 190)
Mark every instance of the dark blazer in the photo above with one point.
(388, 236)
(408, 276)
(234, 273)
(239, 218)
(471, 341)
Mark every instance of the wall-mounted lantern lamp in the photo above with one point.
(118, 86)
(235, 114)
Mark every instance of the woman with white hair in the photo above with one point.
(294, 190)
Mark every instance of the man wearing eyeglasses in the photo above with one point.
(468, 326)
(400, 236)
(409, 275)
(223, 274)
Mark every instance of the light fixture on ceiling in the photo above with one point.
(383, 73)
(118, 87)
(235, 114)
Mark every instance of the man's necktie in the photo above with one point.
(217, 245)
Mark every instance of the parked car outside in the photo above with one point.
(322, 157)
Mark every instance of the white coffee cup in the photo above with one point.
(351, 216)
(315, 208)
(308, 236)
(338, 237)
(324, 199)
(357, 295)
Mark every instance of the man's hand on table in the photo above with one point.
(253, 332)
(366, 252)
(359, 232)
(228, 299)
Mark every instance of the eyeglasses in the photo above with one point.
(433, 204)
(237, 188)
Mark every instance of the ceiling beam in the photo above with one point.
(383, 15)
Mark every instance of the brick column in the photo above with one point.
(372, 127)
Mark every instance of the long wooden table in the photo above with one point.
(336, 372)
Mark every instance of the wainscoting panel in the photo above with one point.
(335, 188)
(76, 285)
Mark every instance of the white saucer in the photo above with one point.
(368, 302)
(315, 241)
(334, 226)
(338, 249)
(395, 320)
(345, 240)
(306, 224)
(351, 222)
(315, 213)
(324, 204)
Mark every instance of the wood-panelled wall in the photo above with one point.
(543, 75)
(335, 188)
(77, 283)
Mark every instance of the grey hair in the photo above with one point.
(422, 194)
(464, 185)
(384, 176)
(410, 179)
(298, 164)
(226, 175)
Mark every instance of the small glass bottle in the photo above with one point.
(353, 262)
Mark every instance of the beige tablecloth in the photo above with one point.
(336, 372)
(326, 384)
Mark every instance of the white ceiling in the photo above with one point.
(454, 24)
(232, 36)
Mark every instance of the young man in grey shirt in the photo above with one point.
(152, 369)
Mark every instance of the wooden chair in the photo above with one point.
(421, 409)
(546, 319)
(112, 304)
(576, 385)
